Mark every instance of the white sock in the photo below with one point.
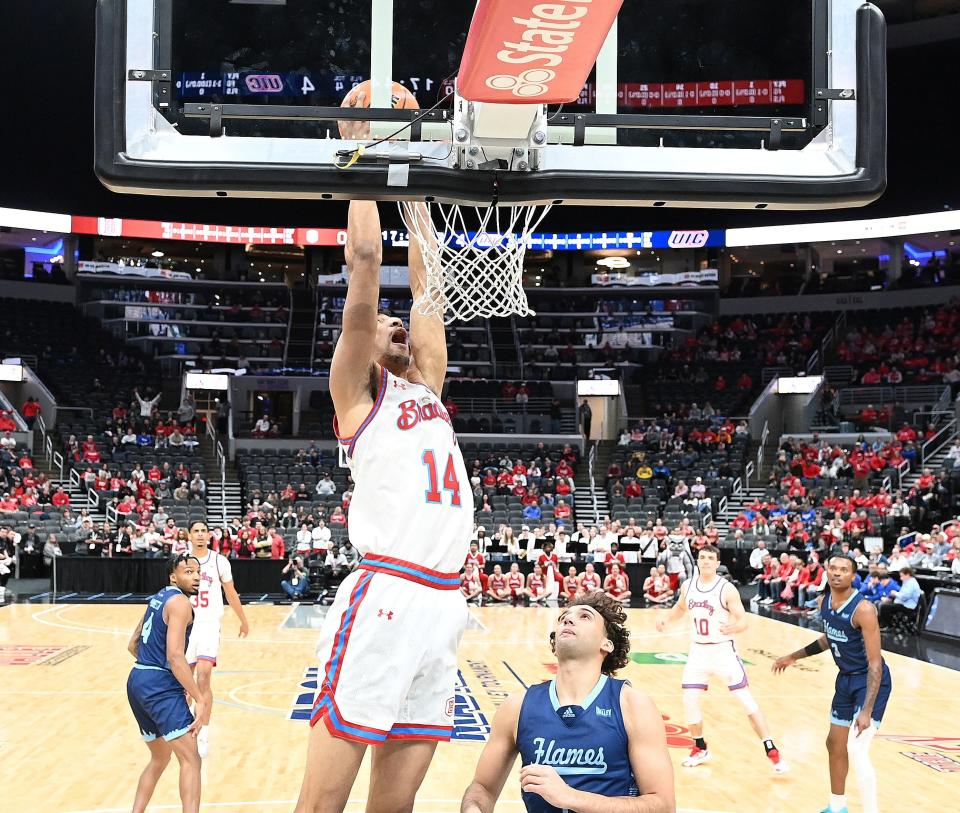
(838, 802)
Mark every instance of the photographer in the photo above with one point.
(296, 583)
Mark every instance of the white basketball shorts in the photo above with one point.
(719, 659)
(388, 652)
(204, 643)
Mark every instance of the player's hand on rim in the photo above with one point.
(546, 783)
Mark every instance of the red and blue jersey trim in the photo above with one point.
(411, 572)
(415, 731)
(351, 441)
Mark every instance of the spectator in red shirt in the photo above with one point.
(7, 424)
(562, 510)
(508, 391)
(60, 498)
(906, 434)
(337, 517)
(720, 384)
(872, 377)
(633, 490)
(30, 410)
(745, 382)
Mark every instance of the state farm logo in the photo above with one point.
(546, 35)
(526, 85)
(688, 239)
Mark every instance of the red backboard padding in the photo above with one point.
(530, 52)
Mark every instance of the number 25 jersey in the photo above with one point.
(412, 498)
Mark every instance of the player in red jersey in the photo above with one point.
(537, 585)
(497, 589)
(515, 584)
(617, 585)
(571, 585)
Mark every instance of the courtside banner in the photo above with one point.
(523, 51)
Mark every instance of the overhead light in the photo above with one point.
(614, 262)
(156, 253)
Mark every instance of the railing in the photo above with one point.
(57, 463)
(938, 441)
(769, 373)
(45, 440)
(88, 410)
(902, 470)
(839, 374)
(813, 361)
(221, 463)
(112, 515)
(738, 483)
(763, 441)
(591, 460)
(93, 500)
(908, 394)
(887, 485)
(286, 346)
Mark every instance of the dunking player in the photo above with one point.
(158, 680)
(716, 610)
(215, 573)
(389, 643)
(587, 741)
(863, 684)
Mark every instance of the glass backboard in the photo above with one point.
(744, 103)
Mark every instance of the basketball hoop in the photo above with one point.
(474, 262)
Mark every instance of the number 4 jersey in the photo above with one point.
(412, 498)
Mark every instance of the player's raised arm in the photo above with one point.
(428, 339)
(497, 759)
(352, 359)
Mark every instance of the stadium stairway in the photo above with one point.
(735, 504)
(582, 498)
(934, 462)
(78, 497)
(224, 499)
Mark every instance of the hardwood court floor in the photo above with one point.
(69, 743)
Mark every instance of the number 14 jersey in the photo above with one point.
(412, 498)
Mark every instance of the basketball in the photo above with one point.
(361, 95)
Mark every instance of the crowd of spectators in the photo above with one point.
(922, 346)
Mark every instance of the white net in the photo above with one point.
(473, 256)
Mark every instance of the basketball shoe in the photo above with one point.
(779, 764)
(697, 756)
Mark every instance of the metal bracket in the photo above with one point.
(776, 135)
(162, 84)
(836, 94)
(147, 75)
(216, 121)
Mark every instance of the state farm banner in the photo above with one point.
(525, 51)
(708, 275)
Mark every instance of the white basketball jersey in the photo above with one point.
(412, 498)
(707, 610)
(208, 602)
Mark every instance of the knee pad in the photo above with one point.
(691, 706)
(746, 700)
